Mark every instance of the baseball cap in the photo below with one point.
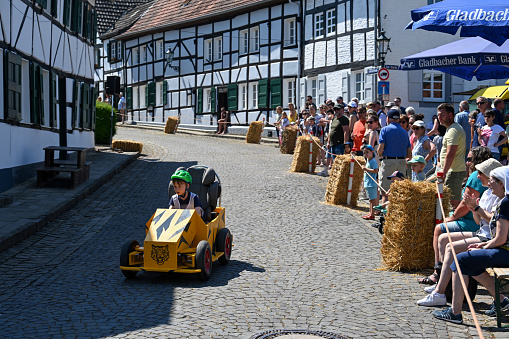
(368, 147)
(349, 144)
(393, 114)
(339, 98)
(417, 159)
(389, 104)
(396, 174)
(338, 106)
(352, 104)
(419, 123)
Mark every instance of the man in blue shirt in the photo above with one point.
(462, 119)
(394, 149)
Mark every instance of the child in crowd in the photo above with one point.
(417, 163)
(370, 180)
(183, 199)
(348, 148)
(281, 125)
(396, 176)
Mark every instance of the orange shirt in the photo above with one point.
(359, 128)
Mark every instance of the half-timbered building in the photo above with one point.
(192, 57)
(47, 81)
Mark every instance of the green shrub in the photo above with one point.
(103, 123)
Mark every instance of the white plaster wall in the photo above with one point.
(259, 15)
(344, 50)
(320, 52)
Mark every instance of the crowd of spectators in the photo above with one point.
(467, 147)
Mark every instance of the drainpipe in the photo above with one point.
(297, 82)
(375, 81)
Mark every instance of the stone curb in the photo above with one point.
(31, 228)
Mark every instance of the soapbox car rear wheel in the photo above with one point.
(204, 260)
(224, 244)
(127, 248)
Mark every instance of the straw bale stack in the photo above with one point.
(407, 243)
(289, 137)
(300, 161)
(127, 145)
(171, 125)
(254, 132)
(337, 187)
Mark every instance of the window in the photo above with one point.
(255, 39)
(292, 91)
(218, 48)
(136, 98)
(331, 21)
(143, 54)
(136, 56)
(207, 50)
(244, 42)
(290, 32)
(432, 86)
(254, 93)
(113, 51)
(208, 100)
(160, 49)
(319, 25)
(243, 97)
(13, 86)
(97, 58)
(313, 89)
(359, 86)
(119, 50)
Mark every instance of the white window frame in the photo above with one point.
(432, 86)
(314, 89)
(119, 50)
(136, 97)
(254, 95)
(360, 86)
(207, 107)
(143, 53)
(218, 48)
(160, 49)
(290, 32)
(136, 56)
(331, 21)
(244, 42)
(143, 96)
(207, 51)
(319, 28)
(242, 96)
(291, 91)
(113, 51)
(254, 39)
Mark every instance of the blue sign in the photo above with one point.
(383, 87)
(392, 67)
(372, 71)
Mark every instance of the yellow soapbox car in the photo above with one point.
(182, 241)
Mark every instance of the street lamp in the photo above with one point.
(383, 46)
(169, 59)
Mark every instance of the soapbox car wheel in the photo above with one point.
(127, 248)
(224, 244)
(204, 260)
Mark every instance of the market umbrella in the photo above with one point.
(486, 19)
(464, 58)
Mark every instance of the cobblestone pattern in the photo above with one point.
(291, 267)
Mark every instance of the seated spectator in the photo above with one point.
(462, 219)
(223, 121)
(417, 163)
(292, 116)
(480, 256)
(460, 241)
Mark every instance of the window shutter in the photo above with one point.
(275, 92)
(12, 83)
(94, 93)
(213, 100)
(79, 21)
(199, 101)
(82, 102)
(165, 93)
(152, 94)
(74, 103)
(108, 51)
(233, 103)
(35, 94)
(66, 12)
(85, 98)
(42, 3)
(54, 8)
(129, 97)
(302, 93)
(321, 89)
(263, 86)
(146, 95)
(94, 26)
(414, 85)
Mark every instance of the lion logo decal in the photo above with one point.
(160, 254)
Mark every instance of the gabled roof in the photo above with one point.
(109, 11)
(127, 20)
(168, 14)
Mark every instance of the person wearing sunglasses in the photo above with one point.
(490, 133)
(482, 106)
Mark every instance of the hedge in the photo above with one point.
(103, 123)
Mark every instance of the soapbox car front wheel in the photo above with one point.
(224, 244)
(204, 260)
(127, 248)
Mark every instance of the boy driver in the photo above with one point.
(183, 199)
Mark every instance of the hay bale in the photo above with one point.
(300, 161)
(337, 186)
(288, 139)
(127, 145)
(171, 125)
(407, 243)
(254, 132)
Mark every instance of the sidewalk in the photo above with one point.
(32, 208)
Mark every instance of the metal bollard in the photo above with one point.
(350, 180)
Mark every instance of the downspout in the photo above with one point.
(375, 82)
(297, 83)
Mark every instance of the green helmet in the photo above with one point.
(182, 175)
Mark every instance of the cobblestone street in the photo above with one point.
(297, 263)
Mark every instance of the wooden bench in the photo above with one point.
(499, 274)
(45, 174)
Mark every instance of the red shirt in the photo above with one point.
(359, 128)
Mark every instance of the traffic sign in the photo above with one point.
(383, 74)
(385, 97)
(372, 70)
(383, 87)
(393, 67)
